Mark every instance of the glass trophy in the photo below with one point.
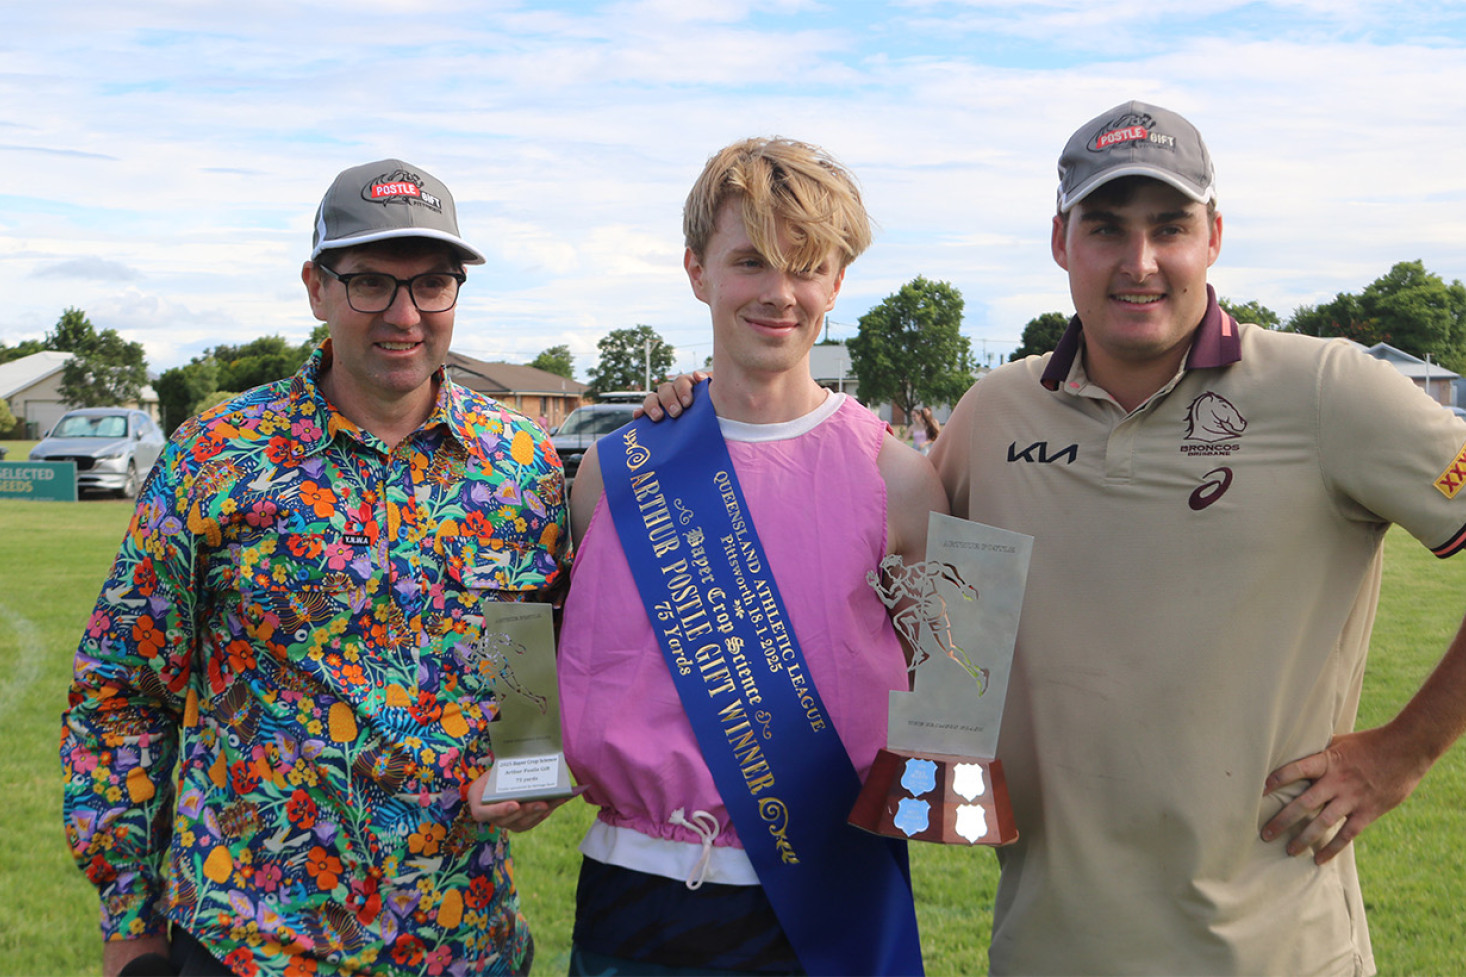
(515, 653)
(939, 778)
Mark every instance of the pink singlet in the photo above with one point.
(819, 505)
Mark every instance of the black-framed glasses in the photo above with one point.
(374, 291)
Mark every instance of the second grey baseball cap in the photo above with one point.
(1135, 139)
(387, 199)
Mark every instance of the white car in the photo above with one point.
(113, 447)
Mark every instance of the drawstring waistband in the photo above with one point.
(706, 827)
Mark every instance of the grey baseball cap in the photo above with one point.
(383, 200)
(1135, 139)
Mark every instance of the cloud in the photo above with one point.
(189, 153)
(50, 151)
(95, 269)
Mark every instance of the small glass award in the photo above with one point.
(516, 654)
(939, 778)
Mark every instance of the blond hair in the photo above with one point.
(781, 183)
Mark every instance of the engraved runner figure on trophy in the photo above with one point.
(919, 611)
(490, 657)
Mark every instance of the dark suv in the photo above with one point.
(584, 427)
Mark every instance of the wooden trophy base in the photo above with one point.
(951, 800)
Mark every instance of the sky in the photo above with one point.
(162, 161)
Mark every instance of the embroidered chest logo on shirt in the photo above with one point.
(1214, 485)
(1041, 453)
(1454, 477)
(1214, 426)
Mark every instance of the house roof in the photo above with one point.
(16, 375)
(498, 378)
(1412, 366)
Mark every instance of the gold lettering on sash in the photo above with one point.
(696, 619)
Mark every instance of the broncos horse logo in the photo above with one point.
(1212, 418)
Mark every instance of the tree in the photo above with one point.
(1254, 312)
(258, 361)
(1408, 307)
(1344, 316)
(1418, 311)
(182, 389)
(23, 348)
(104, 369)
(556, 360)
(1041, 335)
(910, 350)
(73, 331)
(186, 390)
(215, 399)
(624, 356)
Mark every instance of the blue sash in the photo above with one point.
(842, 896)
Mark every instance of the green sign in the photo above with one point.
(51, 480)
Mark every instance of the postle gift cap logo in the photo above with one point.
(399, 187)
(1130, 127)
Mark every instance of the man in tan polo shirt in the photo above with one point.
(1208, 502)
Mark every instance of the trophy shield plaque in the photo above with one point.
(939, 778)
(515, 653)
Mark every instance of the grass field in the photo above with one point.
(17, 450)
(53, 557)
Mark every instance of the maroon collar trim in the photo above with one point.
(1216, 342)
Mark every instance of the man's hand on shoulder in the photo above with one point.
(671, 398)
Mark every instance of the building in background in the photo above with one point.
(31, 386)
(1440, 385)
(538, 394)
(829, 364)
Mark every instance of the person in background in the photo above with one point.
(927, 425)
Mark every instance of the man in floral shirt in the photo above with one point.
(277, 717)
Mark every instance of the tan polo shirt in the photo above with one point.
(1204, 580)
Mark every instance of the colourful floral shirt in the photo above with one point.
(277, 710)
